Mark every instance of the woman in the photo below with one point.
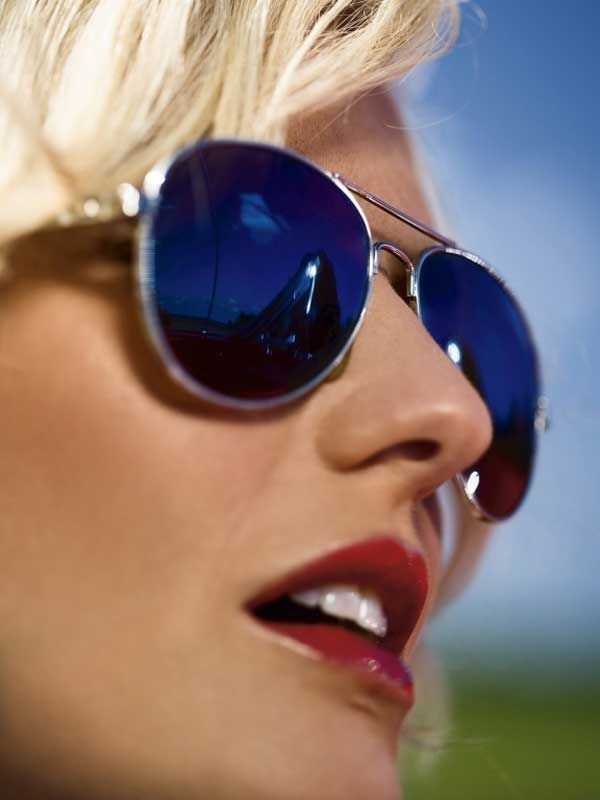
(210, 566)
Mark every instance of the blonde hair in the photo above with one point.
(93, 92)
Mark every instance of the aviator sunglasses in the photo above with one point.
(254, 272)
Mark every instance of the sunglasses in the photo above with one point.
(255, 269)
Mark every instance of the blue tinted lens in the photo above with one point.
(256, 270)
(479, 325)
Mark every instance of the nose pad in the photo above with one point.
(410, 274)
(388, 247)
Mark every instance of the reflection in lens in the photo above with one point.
(476, 321)
(259, 264)
(302, 320)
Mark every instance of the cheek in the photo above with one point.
(105, 487)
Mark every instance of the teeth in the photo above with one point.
(347, 602)
(310, 598)
(341, 601)
(372, 616)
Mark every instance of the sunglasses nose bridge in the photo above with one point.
(411, 281)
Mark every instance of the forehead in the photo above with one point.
(368, 143)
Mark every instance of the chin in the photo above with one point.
(334, 776)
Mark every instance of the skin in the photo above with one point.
(135, 522)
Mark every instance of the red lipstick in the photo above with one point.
(383, 566)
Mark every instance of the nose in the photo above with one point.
(402, 402)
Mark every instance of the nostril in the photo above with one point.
(418, 450)
(415, 450)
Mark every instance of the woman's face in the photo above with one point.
(136, 522)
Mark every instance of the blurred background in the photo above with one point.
(509, 125)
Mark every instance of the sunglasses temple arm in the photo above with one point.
(124, 204)
(395, 212)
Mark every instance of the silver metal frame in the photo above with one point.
(130, 202)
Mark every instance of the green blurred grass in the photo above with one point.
(516, 741)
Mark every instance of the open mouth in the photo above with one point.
(357, 606)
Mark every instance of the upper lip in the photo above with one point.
(396, 573)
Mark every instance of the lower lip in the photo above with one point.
(379, 667)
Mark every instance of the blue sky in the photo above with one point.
(510, 124)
